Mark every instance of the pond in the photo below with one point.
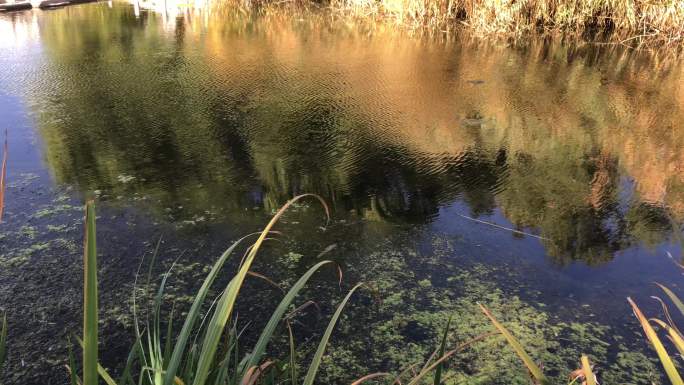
(545, 180)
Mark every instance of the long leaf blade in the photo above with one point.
(3, 340)
(73, 376)
(318, 356)
(293, 358)
(675, 337)
(193, 314)
(270, 327)
(100, 369)
(588, 373)
(3, 178)
(664, 357)
(417, 379)
(673, 297)
(442, 349)
(90, 305)
(517, 347)
(225, 306)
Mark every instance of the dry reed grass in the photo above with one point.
(628, 22)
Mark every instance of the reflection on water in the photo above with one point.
(579, 144)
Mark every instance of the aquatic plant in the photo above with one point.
(210, 353)
(673, 334)
(3, 177)
(197, 355)
(90, 303)
(584, 374)
(3, 341)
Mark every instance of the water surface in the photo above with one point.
(560, 165)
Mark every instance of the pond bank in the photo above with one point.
(634, 23)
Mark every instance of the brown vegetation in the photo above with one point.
(629, 22)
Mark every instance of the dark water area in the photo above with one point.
(546, 180)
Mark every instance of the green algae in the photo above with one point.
(52, 210)
(16, 257)
(57, 228)
(404, 329)
(416, 293)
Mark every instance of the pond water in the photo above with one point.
(545, 180)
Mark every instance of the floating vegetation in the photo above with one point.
(53, 209)
(585, 373)
(673, 334)
(403, 326)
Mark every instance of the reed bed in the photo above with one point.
(628, 22)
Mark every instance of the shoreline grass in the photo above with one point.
(198, 355)
(633, 23)
(209, 354)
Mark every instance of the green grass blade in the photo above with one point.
(673, 297)
(225, 306)
(3, 341)
(154, 336)
(73, 375)
(318, 356)
(517, 347)
(100, 369)
(225, 364)
(293, 355)
(664, 357)
(169, 336)
(193, 314)
(90, 306)
(588, 373)
(214, 331)
(417, 379)
(272, 324)
(442, 350)
(369, 377)
(105, 375)
(126, 376)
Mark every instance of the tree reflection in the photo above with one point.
(225, 117)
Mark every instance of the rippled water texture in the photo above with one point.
(575, 152)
